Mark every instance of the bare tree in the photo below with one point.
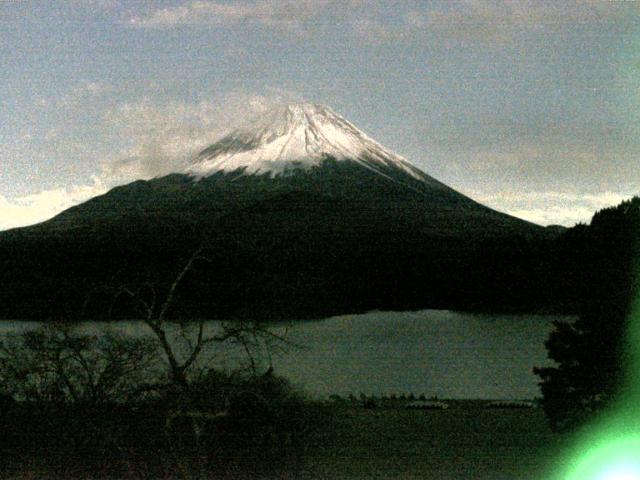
(251, 336)
(57, 363)
(195, 349)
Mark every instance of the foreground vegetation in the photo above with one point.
(465, 441)
(337, 441)
(77, 405)
(259, 429)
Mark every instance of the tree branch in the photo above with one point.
(176, 283)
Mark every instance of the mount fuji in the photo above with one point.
(297, 137)
(301, 215)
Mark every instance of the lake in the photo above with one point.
(432, 352)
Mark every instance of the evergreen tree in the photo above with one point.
(591, 352)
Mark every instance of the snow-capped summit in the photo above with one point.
(294, 137)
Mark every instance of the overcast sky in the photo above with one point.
(530, 107)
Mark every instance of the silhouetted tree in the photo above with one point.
(57, 364)
(591, 352)
(158, 398)
(187, 344)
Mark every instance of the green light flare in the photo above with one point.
(609, 449)
(613, 457)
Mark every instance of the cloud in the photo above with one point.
(524, 13)
(486, 21)
(491, 21)
(94, 4)
(145, 138)
(161, 136)
(374, 31)
(81, 94)
(548, 182)
(38, 207)
(279, 14)
(551, 208)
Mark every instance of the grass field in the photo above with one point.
(347, 441)
(465, 441)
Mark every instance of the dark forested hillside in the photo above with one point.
(332, 240)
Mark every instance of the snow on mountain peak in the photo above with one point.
(292, 137)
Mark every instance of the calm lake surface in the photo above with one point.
(432, 352)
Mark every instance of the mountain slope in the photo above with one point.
(298, 147)
(302, 215)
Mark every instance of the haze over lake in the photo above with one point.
(432, 352)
